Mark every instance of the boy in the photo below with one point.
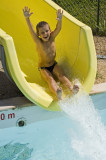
(45, 44)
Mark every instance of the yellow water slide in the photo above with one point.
(74, 47)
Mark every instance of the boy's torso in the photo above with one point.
(46, 53)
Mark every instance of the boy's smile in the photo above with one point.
(44, 32)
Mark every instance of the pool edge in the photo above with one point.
(15, 102)
(98, 88)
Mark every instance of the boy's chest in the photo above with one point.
(47, 48)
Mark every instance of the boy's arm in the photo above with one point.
(59, 24)
(27, 14)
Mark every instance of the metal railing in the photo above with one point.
(90, 12)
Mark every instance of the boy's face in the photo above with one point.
(44, 32)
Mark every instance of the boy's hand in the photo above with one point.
(59, 14)
(26, 12)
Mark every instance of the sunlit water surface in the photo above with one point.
(78, 134)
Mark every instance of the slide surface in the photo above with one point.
(74, 48)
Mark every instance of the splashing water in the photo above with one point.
(92, 141)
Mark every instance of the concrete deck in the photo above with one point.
(98, 88)
(12, 103)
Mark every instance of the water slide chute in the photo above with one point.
(74, 46)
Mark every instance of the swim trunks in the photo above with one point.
(50, 69)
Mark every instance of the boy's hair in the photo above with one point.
(39, 25)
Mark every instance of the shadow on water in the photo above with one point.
(15, 151)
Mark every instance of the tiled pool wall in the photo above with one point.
(21, 116)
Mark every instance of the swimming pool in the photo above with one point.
(54, 135)
(100, 103)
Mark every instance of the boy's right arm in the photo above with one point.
(27, 14)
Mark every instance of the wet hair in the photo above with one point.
(39, 25)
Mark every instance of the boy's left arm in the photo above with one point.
(59, 24)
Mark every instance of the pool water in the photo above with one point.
(99, 101)
(79, 133)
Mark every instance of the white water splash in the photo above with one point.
(92, 144)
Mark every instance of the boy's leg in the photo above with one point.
(62, 78)
(55, 89)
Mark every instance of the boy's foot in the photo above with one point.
(59, 93)
(75, 89)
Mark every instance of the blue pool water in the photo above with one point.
(79, 133)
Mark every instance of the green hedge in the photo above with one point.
(86, 12)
